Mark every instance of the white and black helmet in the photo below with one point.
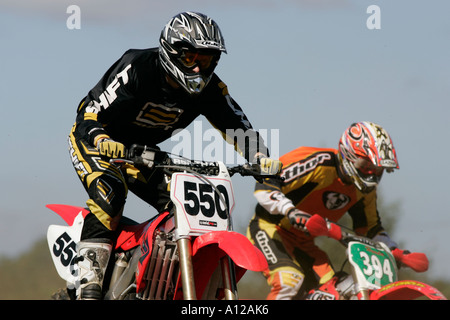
(191, 32)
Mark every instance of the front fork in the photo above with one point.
(187, 272)
(229, 278)
(186, 269)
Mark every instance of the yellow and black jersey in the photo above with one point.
(133, 103)
(311, 184)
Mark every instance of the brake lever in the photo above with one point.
(120, 161)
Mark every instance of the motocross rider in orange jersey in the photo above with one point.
(320, 181)
(144, 98)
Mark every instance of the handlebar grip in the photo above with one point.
(318, 226)
(253, 170)
(335, 231)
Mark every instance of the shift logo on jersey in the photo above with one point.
(300, 168)
(109, 95)
(334, 201)
(158, 115)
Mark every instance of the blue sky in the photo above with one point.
(306, 68)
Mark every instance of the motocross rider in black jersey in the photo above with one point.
(142, 99)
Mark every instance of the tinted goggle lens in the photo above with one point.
(190, 59)
(367, 168)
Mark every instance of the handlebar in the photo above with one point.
(154, 158)
(318, 226)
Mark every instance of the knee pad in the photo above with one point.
(285, 284)
(107, 199)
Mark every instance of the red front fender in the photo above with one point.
(406, 290)
(236, 246)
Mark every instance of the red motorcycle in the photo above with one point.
(186, 253)
(374, 271)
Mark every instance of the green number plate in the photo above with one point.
(374, 267)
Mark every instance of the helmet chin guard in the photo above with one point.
(196, 83)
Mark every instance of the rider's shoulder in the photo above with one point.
(140, 55)
(306, 152)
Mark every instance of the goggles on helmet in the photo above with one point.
(192, 58)
(368, 171)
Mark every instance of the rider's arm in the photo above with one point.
(281, 197)
(269, 196)
(224, 114)
(367, 222)
(384, 237)
(104, 100)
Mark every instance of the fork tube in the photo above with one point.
(364, 294)
(229, 278)
(187, 274)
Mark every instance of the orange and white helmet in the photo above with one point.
(365, 150)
